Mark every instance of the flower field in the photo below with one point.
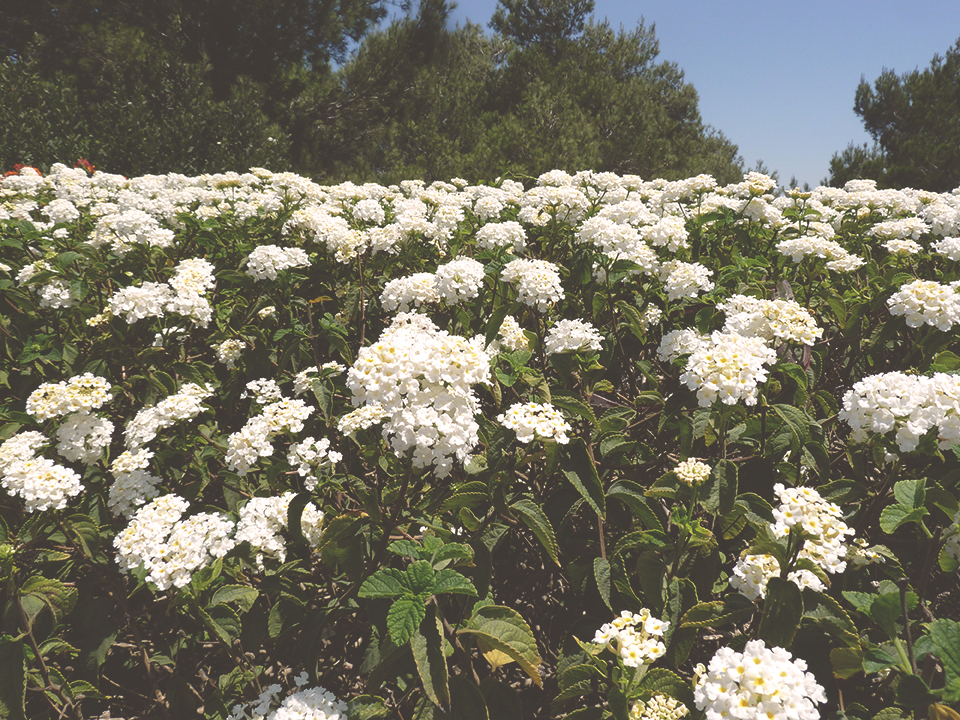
(588, 447)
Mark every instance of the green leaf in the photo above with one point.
(913, 692)
(893, 516)
(384, 583)
(13, 679)
(574, 405)
(404, 617)
(601, 574)
(945, 362)
(632, 495)
(582, 474)
(734, 608)
(782, 612)
(243, 595)
(451, 552)
(367, 707)
(822, 610)
(295, 516)
(223, 622)
(796, 421)
(846, 661)
(503, 629)
(59, 598)
(427, 647)
(886, 611)
(880, 657)
(494, 324)
(419, 578)
(659, 681)
(723, 487)
(860, 600)
(535, 519)
(910, 493)
(946, 638)
(450, 581)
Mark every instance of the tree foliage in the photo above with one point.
(914, 120)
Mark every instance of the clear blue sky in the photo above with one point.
(778, 77)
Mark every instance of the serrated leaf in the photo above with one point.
(941, 712)
(582, 474)
(632, 495)
(880, 657)
(450, 552)
(910, 493)
(13, 679)
(660, 681)
(574, 405)
(893, 516)
(450, 581)
(404, 617)
(946, 638)
(534, 518)
(223, 622)
(384, 583)
(826, 612)
(406, 548)
(601, 576)
(782, 611)
(243, 595)
(886, 611)
(59, 598)
(419, 577)
(846, 661)
(735, 608)
(367, 707)
(503, 629)
(723, 488)
(860, 600)
(427, 647)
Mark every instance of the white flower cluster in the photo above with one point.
(83, 437)
(184, 405)
(128, 228)
(770, 319)
(659, 707)
(312, 456)
(421, 378)
(571, 336)
(229, 351)
(839, 259)
(680, 342)
(949, 247)
(262, 519)
(899, 246)
(635, 637)
(132, 484)
(756, 684)
(414, 290)
(685, 280)
(81, 393)
(501, 234)
(537, 282)
(362, 418)
(40, 482)
(728, 367)
(540, 421)
(511, 335)
(182, 295)
(263, 391)
(824, 542)
(314, 703)
(912, 404)
(254, 439)
(692, 472)
(752, 574)
(172, 549)
(458, 280)
(619, 241)
(267, 260)
(925, 302)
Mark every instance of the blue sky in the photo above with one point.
(778, 77)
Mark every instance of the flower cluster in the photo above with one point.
(752, 574)
(728, 367)
(262, 519)
(758, 683)
(636, 638)
(254, 439)
(41, 483)
(692, 472)
(312, 456)
(911, 404)
(305, 703)
(570, 336)
(535, 421)
(267, 260)
(458, 280)
(184, 405)
(685, 280)
(402, 293)
(839, 259)
(782, 320)
(511, 335)
(132, 484)
(172, 549)
(421, 379)
(229, 351)
(80, 393)
(83, 437)
(659, 707)
(501, 234)
(925, 302)
(537, 282)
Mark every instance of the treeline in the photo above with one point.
(198, 86)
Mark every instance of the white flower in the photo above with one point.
(229, 351)
(770, 319)
(267, 260)
(756, 684)
(634, 637)
(311, 456)
(927, 302)
(402, 293)
(569, 336)
(458, 280)
(185, 405)
(83, 437)
(80, 393)
(659, 707)
(537, 282)
(692, 471)
(685, 279)
(511, 334)
(262, 519)
(535, 421)
(505, 234)
(728, 367)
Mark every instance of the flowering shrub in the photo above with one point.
(261, 437)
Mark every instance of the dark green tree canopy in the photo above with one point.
(914, 120)
(541, 22)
